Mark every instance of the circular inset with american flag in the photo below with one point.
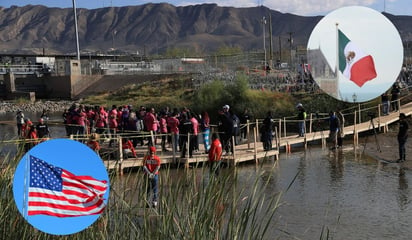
(61, 186)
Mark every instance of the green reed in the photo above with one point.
(193, 204)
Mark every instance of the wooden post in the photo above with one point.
(248, 132)
(152, 137)
(277, 143)
(234, 150)
(310, 122)
(255, 145)
(379, 117)
(288, 148)
(257, 127)
(323, 140)
(284, 127)
(355, 133)
(188, 150)
(173, 147)
(280, 127)
(305, 142)
(119, 139)
(359, 113)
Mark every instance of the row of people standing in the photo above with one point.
(172, 127)
(387, 104)
(81, 119)
(336, 121)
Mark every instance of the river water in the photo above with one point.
(351, 195)
(344, 192)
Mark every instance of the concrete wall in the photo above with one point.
(66, 83)
(82, 83)
(71, 84)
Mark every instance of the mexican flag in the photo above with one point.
(354, 63)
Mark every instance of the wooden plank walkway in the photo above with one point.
(380, 123)
(242, 153)
(252, 150)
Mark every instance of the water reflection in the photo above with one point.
(345, 192)
(8, 129)
(403, 189)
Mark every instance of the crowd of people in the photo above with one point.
(181, 130)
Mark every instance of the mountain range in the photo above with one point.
(154, 28)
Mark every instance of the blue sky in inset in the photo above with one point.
(72, 156)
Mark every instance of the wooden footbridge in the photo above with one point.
(357, 120)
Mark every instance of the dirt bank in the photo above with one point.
(387, 143)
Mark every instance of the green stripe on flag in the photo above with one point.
(343, 41)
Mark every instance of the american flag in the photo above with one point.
(56, 192)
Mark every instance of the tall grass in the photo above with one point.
(193, 205)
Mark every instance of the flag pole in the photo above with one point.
(25, 187)
(337, 62)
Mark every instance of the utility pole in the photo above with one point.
(76, 31)
(280, 50)
(270, 42)
(264, 39)
(290, 40)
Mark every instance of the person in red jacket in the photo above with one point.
(128, 148)
(215, 154)
(31, 137)
(151, 168)
(93, 142)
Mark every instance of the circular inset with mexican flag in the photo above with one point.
(355, 54)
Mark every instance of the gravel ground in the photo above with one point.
(38, 106)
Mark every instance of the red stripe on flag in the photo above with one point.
(363, 71)
(65, 206)
(84, 182)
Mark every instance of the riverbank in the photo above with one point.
(387, 143)
(38, 106)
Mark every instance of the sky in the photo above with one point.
(299, 7)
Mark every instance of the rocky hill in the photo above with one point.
(153, 28)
